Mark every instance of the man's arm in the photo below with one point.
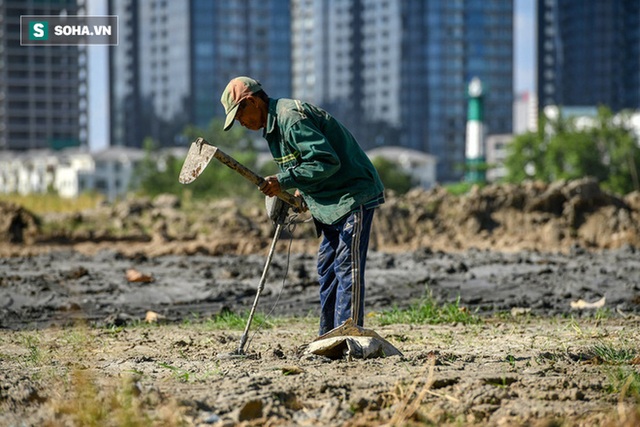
(318, 160)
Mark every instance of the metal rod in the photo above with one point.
(245, 334)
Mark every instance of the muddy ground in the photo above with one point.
(551, 275)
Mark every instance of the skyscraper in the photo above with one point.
(589, 53)
(42, 88)
(175, 58)
(396, 71)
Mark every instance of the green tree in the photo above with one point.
(153, 175)
(607, 150)
(156, 175)
(620, 150)
(233, 139)
(392, 176)
(573, 154)
(525, 158)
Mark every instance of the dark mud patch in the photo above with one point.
(66, 286)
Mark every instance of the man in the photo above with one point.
(319, 158)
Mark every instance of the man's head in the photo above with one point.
(243, 99)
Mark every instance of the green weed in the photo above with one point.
(229, 320)
(186, 376)
(612, 356)
(624, 379)
(181, 375)
(32, 343)
(427, 311)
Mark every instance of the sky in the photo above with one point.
(524, 68)
(98, 83)
(524, 51)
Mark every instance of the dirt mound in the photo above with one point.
(503, 217)
(511, 217)
(17, 225)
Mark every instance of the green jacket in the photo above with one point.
(317, 155)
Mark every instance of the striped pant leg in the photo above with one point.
(350, 267)
(327, 277)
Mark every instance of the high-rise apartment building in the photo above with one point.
(588, 53)
(43, 89)
(396, 71)
(176, 57)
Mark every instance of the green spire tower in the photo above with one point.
(474, 153)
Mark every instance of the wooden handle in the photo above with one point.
(232, 163)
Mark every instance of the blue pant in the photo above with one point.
(341, 262)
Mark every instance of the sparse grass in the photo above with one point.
(123, 405)
(625, 380)
(409, 401)
(234, 321)
(427, 311)
(47, 203)
(603, 313)
(180, 374)
(610, 355)
(186, 376)
(32, 343)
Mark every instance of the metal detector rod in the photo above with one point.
(245, 334)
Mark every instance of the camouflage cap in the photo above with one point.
(237, 90)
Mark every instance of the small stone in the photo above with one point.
(251, 410)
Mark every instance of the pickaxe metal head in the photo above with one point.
(198, 157)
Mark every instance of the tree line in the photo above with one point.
(564, 148)
(218, 181)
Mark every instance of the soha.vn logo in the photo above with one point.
(38, 30)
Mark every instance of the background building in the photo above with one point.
(496, 150)
(396, 71)
(525, 113)
(42, 88)
(589, 53)
(175, 58)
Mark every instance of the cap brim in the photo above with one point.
(231, 116)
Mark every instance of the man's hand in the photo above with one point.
(270, 186)
(303, 204)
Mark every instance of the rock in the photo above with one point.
(134, 275)
(117, 320)
(153, 317)
(292, 370)
(250, 410)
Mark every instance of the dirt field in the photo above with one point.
(529, 371)
(549, 273)
(75, 350)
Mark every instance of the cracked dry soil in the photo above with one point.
(525, 371)
(74, 349)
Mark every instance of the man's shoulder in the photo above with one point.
(290, 111)
(286, 108)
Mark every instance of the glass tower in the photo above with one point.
(397, 71)
(589, 53)
(43, 89)
(176, 58)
